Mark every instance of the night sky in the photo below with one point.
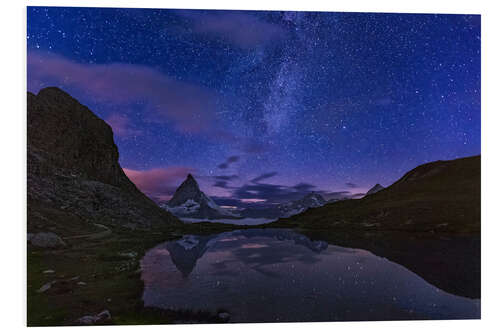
(263, 107)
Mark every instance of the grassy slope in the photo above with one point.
(113, 280)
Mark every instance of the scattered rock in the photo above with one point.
(46, 287)
(100, 318)
(224, 316)
(46, 240)
(86, 320)
(105, 315)
(130, 254)
(60, 286)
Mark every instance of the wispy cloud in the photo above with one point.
(230, 160)
(244, 30)
(121, 126)
(167, 99)
(227, 178)
(221, 184)
(265, 194)
(263, 176)
(304, 187)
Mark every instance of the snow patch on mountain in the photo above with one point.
(190, 202)
(311, 200)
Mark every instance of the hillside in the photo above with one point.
(442, 196)
(74, 178)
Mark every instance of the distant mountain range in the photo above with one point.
(190, 202)
(311, 200)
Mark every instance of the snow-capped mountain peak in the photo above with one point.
(189, 201)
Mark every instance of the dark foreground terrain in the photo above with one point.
(89, 226)
(97, 272)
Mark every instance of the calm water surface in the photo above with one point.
(271, 275)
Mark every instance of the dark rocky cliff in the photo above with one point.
(74, 178)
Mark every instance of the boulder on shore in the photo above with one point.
(46, 240)
(100, 318)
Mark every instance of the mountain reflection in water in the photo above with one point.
(268, 275)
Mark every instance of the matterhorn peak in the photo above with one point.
(190, 180)
(190, 201)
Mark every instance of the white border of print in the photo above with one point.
(13, 166)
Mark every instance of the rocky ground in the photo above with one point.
(74, 178)
(88, 280)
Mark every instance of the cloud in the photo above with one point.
(227, 178)
(223, 181)
(336, 195)
(167, 99)
(228, 162)
(272, 194)
(241, 29)
(304, 187)
(232, 159)
(263, 176)
(244, 144)
(225, 201)
(121, 126)
(269, 192)
(351, 185)
(159, 183)
(221, 184)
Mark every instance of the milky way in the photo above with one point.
(266, 106)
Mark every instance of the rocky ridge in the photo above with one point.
(74, 178)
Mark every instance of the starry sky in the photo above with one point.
(263, 107)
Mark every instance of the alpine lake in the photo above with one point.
(281, 275)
